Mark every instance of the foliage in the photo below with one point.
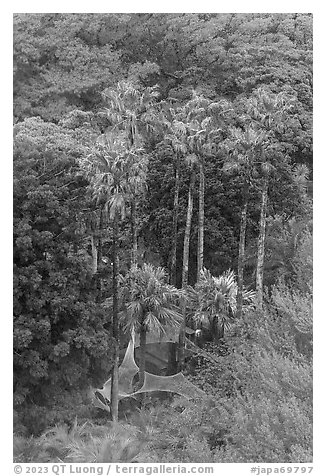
(59, 65)
(148, 300)
(111, 113)
(291, 311)
(82, 443)
(261, 382)
(59, 335)
(181, 51)
(130, 108)
(288, 250)
(108, 169)
(258, 406)
(121, 444)
(214, 302)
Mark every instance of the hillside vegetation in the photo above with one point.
(162, 178)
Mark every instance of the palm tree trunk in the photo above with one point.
(134, 250)
(100, 253)
(142, 360)
(115, 325)
(185, 268)
(241, 257)
(201, 216)
(218, 332)
(101, 226)
(261, 245)
(173, 275)
(94, 255)
(186, 241)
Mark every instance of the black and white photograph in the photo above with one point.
(162, 241)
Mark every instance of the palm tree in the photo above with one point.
(215, 302)
(176, 121)
(269, 111)
(149, 304)
(107, 172)
(137, 165)
(244, 149)
(131, 110)
(191, 132)
(191, 161)
(261, 242)
(205, 122)
(173, 272)
(92, 227)
(176, 137)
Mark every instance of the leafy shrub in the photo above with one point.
(290, 321)
(83, 443)
(121, 444)
(264, 430)
(27, 450)
(61, 408)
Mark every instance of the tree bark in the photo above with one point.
(142, 360)
(217, 331)
(134, 251)
(241, 257)
(186, 241)
(201, 217)
(100, 253)
(99, 247)
(173, 275)
(94, 255)
(115, 325)
(261, 245)
(185, 269)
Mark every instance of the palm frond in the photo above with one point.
(214, 299)
(148, 299)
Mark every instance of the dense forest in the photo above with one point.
(163, 180)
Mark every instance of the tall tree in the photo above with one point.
(269, 111)
(191, 161)
(244, 149)
(206, 119)
(175, 136)
(179, 127)
(107, 170)
(131, 110)
(194, 127)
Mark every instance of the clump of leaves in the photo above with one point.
(26, 450)
(121, 444)
(86, 443)
(58, 440)
(213, 301)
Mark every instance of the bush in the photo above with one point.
(83, 443)
(289, 312)
(62, 408)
